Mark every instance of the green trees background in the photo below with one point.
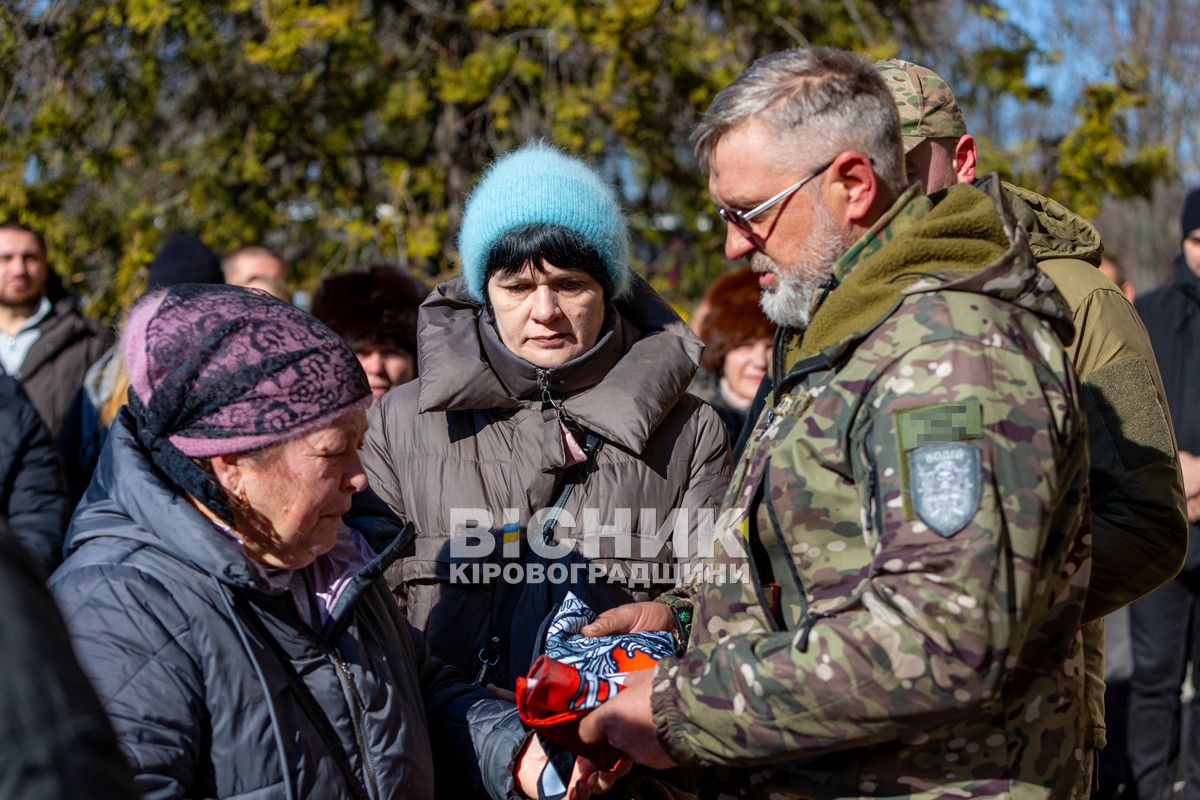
(348, 131)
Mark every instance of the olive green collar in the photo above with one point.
(956, 232)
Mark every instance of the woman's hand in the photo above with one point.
(586, 778)
(530, 764)
(631, 618)
(503, 694)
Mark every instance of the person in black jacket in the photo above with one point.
(55, 741)
(32, 496)
(1165, 625)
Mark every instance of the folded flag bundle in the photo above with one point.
(577, 673)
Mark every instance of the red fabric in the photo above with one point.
(548, 700)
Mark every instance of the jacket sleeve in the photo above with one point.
(937, 620)
(707, 483)
(464, 718)
(128, 631)
(376, 454)
(1139, 521)
(55, 740)
(379, 511)
(37, 502)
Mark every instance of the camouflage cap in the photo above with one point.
(928, 109)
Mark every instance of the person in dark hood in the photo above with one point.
(375, 312)
(237, 631)
(1165, 625)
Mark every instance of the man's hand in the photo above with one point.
(627, 723)
(632, 618)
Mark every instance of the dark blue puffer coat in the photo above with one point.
(157, 602)
(32, 495)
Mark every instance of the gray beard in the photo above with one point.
(790, 302)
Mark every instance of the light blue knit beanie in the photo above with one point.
(541, 184)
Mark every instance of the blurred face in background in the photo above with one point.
(387, 366)
(23, 270)
(1116, 274)
(1191, 251)
(255, 268)
(743, 370)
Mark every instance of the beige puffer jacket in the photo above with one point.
(474, 432)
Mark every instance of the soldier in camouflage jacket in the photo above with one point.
(910, 508)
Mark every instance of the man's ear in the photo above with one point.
(965, 156)
(228, 471)
(856, 188)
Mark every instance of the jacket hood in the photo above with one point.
(1054, 231)
(965, 239)
(621, 389)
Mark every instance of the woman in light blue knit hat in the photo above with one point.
(550, 374)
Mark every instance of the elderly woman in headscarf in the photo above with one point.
(548, 444)
(236, 630)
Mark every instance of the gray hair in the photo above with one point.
(818, 99)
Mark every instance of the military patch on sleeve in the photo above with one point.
(945, 484)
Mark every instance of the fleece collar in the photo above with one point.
(962, 239)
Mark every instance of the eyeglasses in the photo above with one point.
(741, 219)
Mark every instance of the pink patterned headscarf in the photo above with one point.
(216, 370)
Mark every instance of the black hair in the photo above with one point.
(17, 225)
(538, 243)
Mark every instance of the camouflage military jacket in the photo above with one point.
(915, 489)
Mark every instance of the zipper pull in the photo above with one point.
(543, 378)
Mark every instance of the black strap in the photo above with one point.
(489, 654)
(312, 709)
